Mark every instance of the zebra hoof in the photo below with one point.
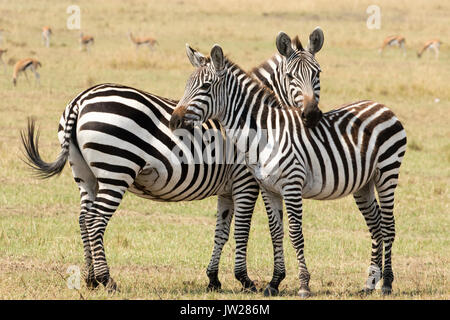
(386, 290)
(248, 285)
(91, 283)
(366, 291)
(270, 291)
(214, 286)
(111, 286)
(304, 293)
(250, 288)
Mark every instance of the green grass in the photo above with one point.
(161, 250)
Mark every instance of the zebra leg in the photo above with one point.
(293, 200)
(107, 200)
(385, 188)
(367, 203)
(274, 209)
(244, 205)
(224, 216)
(87, 184)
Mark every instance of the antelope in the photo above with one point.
(2, 51)
(430, 45)
(140, 41)
(393, 41)
(25, 64)
(46, 33)
(85, 41)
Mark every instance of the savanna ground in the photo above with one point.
(161, 250)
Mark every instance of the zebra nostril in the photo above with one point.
(174, 123)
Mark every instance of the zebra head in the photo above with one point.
(196, 106)
(301, 73)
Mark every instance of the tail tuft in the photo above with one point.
(30, 141)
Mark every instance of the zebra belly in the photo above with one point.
(324, 182)
(153, 183)
(314, 191)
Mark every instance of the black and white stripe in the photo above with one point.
(354, 149)
(117, 138)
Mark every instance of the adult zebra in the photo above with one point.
(352, 150)
(116, 138)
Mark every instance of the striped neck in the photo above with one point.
(246, 98)
(269, 74)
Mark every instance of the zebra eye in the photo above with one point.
(289, 76)
(206, 85)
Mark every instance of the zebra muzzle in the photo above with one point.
(177, 119)
(311, 114)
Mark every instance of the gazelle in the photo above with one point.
(140, 41)
(23, 65)
(46, 34)
(393, 41)
(430, 45)
(2, 51)
(86, 41)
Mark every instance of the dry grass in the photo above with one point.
(161, 250)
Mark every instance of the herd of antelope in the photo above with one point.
(400, 42)
(86, 41)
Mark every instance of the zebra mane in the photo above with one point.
(269, 95)
(265, 63)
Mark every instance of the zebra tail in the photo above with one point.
(30, 141)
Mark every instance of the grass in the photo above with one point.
(161, 250)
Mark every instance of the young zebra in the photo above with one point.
(430, 45)
(304, 90)
(393, 41)
(46, 34)
(352, 150)
(117, 138)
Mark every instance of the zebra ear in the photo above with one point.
(196, 58)
(284, 44)
(316, 40)
(217, 58)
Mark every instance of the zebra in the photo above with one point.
(354, 149)
(117, 138)
(300, 78)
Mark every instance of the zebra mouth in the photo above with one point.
(190, 120)
(187, 124)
